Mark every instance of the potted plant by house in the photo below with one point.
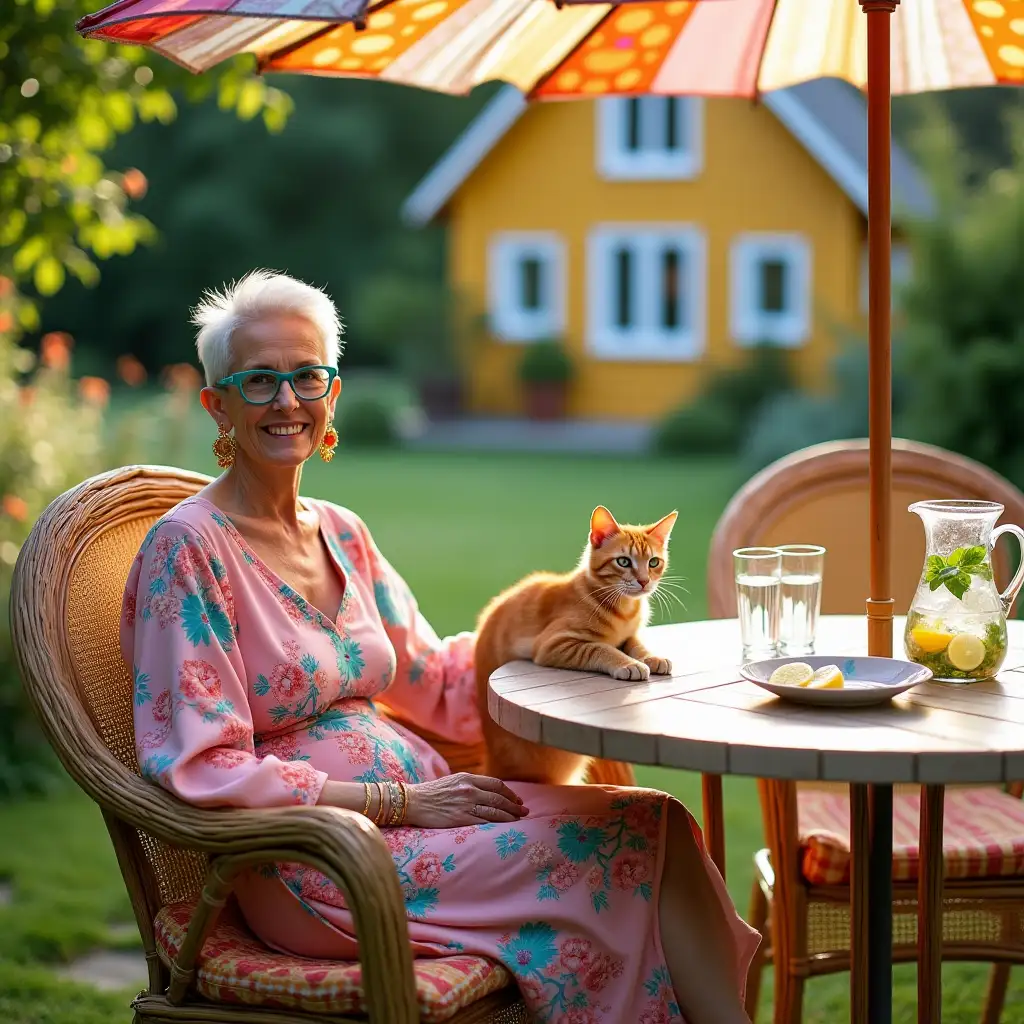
(545, 371)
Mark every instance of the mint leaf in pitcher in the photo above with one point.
(955, 571)
(972, 560)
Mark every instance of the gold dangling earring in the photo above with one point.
(329, 442)
(224, 447)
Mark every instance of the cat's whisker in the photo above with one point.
(609, 594)
(673, 586)
(672, 578)
(669, 597)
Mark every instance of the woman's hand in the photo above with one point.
(461, 799)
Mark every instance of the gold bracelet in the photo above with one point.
(379, 816)
(405, 801)
(366, 806)
(396, 803)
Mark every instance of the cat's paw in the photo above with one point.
(658, 666)
(635, 671)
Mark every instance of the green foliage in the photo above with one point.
(368, 421)
(415, 325)
(64, 102)
(717, 420)
(50, 438)
(792, 420)
(319, 200)
(965, 318)
(56, 431)
(704, 426)
(546, 362)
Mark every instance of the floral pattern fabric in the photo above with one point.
(246, 695)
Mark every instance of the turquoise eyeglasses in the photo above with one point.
(260, 387)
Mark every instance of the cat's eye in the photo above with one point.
(654, 562)
(624, 560)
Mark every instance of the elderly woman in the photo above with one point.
(261, 626)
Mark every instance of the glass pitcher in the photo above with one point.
(956, 625)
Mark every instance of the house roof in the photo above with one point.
(827, 117)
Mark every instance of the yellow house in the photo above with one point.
(658, 236)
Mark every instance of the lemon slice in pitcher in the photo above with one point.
(965, 652)
(796, 673)
(828, 677)
(931, 641)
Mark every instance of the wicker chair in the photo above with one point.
(820, 496)
(178, 861)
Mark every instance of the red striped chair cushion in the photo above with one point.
(983, 834)
(234, 967)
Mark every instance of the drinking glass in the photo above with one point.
(758, 575)
(800, 592)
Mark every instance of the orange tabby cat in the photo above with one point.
(586, 619)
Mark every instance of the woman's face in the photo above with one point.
(286, 431)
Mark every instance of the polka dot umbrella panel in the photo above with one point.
(713, 47)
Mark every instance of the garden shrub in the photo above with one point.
(367, 421)
(716, 421)
(52, 436)
(793, 420)
(965, 316)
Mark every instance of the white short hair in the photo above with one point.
(260, 293)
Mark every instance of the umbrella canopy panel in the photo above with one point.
(729, 48)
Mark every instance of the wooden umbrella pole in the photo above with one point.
(871, 899)
(880, 602)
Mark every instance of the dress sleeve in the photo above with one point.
(193, 725)
(434, 685)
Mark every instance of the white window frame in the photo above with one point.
(616, 163)
(750, 325)
(505, 252)
(902, 270)
(647, 341)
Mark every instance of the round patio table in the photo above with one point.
(705, 718)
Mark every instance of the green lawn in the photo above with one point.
(459, 528)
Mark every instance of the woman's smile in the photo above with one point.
(284, 429)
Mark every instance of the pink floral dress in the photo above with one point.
(248, 696)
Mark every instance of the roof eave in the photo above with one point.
(463, 157)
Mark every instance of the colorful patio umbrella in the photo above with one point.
(569, 49)
(715, 47)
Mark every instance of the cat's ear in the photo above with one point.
(662, 529)
(602, 526)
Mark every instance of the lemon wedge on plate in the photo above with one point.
(828, 677)
(796, 673)
(931, 641)
(965, 652)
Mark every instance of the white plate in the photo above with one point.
(867, 680)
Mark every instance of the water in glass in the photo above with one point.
(758, 605)
(800, 591)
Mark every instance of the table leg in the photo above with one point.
(860, 840)
(880, 905)
(714, 819)
(931, 866)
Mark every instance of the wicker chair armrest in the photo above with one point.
(346, 846)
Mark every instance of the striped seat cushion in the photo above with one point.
(982, 837)
(234, 967)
